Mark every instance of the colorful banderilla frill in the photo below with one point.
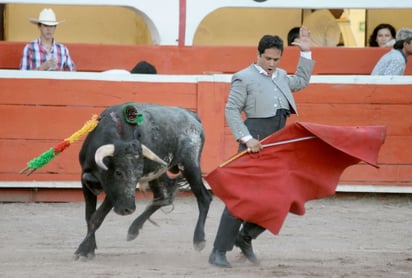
(48, 155)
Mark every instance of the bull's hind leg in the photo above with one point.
(163, 194)
(193, 175)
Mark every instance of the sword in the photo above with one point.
(267, 145)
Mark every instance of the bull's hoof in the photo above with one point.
(199, 246)
(131, 236)
(82, 258)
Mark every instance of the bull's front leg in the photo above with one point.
(86, 249)
(163, 194)
(137, 224)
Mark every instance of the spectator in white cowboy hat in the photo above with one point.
(394, 62)
(45, 53)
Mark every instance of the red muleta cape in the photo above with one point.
(263, 188)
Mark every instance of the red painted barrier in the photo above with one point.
(202, 59)
(37, 113)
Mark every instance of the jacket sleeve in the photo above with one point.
(302, 76)
(234, 107)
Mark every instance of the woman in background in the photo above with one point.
(383, 36)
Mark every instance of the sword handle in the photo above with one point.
(233, 158)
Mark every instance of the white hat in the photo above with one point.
(404, 34)
(46, 17)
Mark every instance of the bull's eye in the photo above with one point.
(118, 173)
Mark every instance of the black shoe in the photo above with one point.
(245, 245)
(218, 258)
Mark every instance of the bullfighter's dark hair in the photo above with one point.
(269, 41)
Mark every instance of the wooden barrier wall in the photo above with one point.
(367, 104)
(202, 59)
(39, 109)
(37, 113)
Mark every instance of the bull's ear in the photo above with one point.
(92, 183)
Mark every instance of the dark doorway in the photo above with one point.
(2, 8)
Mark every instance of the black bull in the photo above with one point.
(121, 153)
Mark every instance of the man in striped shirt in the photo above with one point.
(45, 53)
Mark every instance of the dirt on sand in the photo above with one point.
(345, 236)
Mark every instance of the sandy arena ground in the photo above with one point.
(349, 236)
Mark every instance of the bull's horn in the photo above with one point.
(101, 153)
(152, 156)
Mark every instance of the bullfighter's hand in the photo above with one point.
(303, 42)
(253, 145)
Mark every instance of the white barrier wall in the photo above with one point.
(174, 22)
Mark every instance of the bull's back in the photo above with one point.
(163, 128)
(168, 114)
(175, 117)
(168, 123)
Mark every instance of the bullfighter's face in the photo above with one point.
(269, 60)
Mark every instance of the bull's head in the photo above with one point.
(124, 170)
